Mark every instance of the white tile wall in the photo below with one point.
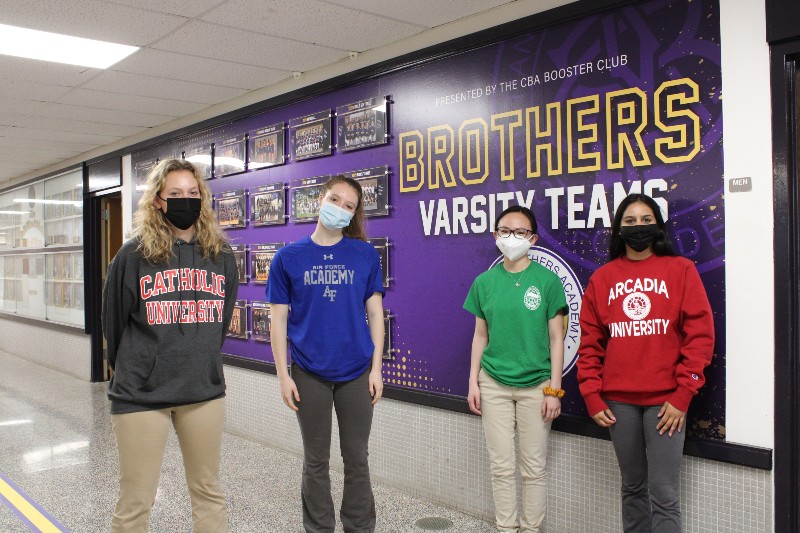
(440, 456)
(58, 349)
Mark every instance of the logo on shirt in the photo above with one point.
(329, 293)
(636, 305)
(532, 298)
(327, 256)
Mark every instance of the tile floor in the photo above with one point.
(56, 445)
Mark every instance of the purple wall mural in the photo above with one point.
(566, 121)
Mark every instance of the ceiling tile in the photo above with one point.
(127, 102)
(44, 134)
(199, 69)
(106, 116)
(184, 8)
(26, 90)
(72, 125)
(422, 12)
(32, 70)
(141, 85)
(229, 44)
(20, 107)
(46, 145)
(314, 22)
(92, 19)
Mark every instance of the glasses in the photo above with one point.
(519, 233)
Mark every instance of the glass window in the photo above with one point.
(63, 205)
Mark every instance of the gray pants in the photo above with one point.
(353, 405)
(650, 465)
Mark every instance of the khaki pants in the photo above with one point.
(141, 439)
(504, 408)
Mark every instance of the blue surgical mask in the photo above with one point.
(334, 217)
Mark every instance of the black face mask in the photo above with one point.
(639, 237)
(182, 212)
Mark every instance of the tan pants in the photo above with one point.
(141, 439)
(504, 408)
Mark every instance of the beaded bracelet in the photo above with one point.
(557, 393)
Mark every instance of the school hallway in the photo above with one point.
(58, 465)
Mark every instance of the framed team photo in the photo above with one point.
(362, 124)
(310, 135)
(201, 157)
(374, 188)
(229, 156)
(381, 244)
(231, 208)
(388, 351)
(141, 169)
(260, 319)
(240, 254)
(305, 198)
(265, 147)
(268, 205)
(238, 326)
(261, 259)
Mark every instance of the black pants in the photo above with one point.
(353, 405)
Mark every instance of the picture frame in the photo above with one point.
(362, 124)
(266, 147)
(261, 319)
(231, 207)
(310, 136)
(230, 156)
(202, 157)
(240, 254)
(305, 195)
(382, 245)
(374, 189)
(141, 169)
(388, 350)
(268, 205)
(238, 326)
(261, 259)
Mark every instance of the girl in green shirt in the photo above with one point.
(517, 362)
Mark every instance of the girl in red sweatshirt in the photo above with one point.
(647, 333)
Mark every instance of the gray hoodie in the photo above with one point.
(164, 326)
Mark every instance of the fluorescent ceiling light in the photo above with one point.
(12, 212)
(14, 422)
(34, 44)
(38, 201)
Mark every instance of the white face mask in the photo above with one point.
(512, 247)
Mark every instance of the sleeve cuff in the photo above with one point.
(595, 404)
(682, 398)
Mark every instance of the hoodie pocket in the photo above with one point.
(177, 373)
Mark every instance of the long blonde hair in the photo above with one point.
(150, 226)
(355, 229)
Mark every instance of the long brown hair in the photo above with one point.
(150, 226)
(355, 229)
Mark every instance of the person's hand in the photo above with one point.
(671, 417)
(474, 398)
(375, 385)
(604, 418)
(551, 408)
(289, 393)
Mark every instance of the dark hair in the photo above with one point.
(519, 209)
(661, 246)
(355, 229)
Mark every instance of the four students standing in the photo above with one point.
(639, 386)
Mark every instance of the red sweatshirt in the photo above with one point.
(647, 333)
